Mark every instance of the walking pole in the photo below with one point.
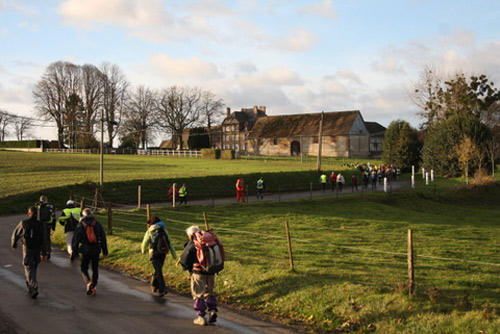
(206, 221)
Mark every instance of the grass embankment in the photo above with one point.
(25, 176)
(349, 256)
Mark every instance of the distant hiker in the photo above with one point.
(240, 190)
(340, 181)
(47, 215)
(157, 243)
(260, 188)
(33, 237)
(333, 180)
(90, 234)
(322, 180)
(183, 194)
(69, 219)
(373, 178)
(365, 177)
(173, 190)
(202, 277)
(354, 182)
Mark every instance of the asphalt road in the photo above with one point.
(122, 304)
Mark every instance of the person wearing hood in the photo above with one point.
(90, 234)
(154, 226)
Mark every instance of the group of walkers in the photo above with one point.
(85, 236)
(368, 174)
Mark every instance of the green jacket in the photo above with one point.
(147, 241)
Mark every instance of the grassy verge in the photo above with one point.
(349, 255)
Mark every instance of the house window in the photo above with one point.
(275, 141)
(260, 141)
(333, 139)
(315, 140)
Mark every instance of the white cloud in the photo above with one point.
(272, 77)
(298, 41)
(324, 9)
(193, 67)
(389, 65)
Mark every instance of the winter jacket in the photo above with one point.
(19, 231)
(80, 244)
(147, 241)
(69, 215)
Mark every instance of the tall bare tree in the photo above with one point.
(5, 120)
(212, 107)
(59, 81)
(114, 98)
(22, 126)
(179, 108)
(92, 89)
(139, 116)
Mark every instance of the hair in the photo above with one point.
(153, 220)
(86, 212)
(192, 230)
(33, 210)
(43, 198)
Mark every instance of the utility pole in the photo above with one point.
(320, 141)
(101, 161)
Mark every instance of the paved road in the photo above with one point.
(122, 305)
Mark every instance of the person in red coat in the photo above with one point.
(240, 190)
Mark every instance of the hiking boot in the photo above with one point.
(212, 318)
(33, 294)
(94, 292)
(200, 321)
(162, 293)
(89, 288)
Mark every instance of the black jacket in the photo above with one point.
(19, 231)
(80, 243)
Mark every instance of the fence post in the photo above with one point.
(205, 220)
(310, 190)
(290, 254)
(279, 193)
(413, 181)
(148, 211)
(174, 187)
(82, 203)
(110, 219)
(139, 193)
(411, 271)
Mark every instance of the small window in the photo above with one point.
(260, 141)
(333, 139)
(275, 141)
(315, 140)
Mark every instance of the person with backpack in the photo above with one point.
(183, 194)
(89, 239)
(340, 181)
(32, 233)
(322, 181)
(240, 190)
(69, 219)
(260, 188)
(203, 257)
(47, 215)
(157, 243)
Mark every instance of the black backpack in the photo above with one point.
(32, 234)
(44, 213)
(160, 242)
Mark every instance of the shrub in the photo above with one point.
(210, 153)
(227, 154)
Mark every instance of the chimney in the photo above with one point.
(228, 111)
(255, 110)
(263, 108)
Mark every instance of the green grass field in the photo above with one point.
(350, 266)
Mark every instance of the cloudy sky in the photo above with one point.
(292, 56)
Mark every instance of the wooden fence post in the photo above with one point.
(289, 244)
(411, 271)
(110, 219)
(82, 203)
(174, 187)
(148, 212)
(310, 190)
(206, 221)
(139, 193)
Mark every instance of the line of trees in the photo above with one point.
(461, 129)
(21, 126)
(81, 99)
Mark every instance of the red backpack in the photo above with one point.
(209, 251)
(89, 229)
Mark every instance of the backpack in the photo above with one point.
(89, 230)
(209, 251)
(160, 242)
(33, 234)
(44, 213)
(241, 184)
(71, 223)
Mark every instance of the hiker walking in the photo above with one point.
(240, 190)
(260, 188)
(157, 243)
(340, 181)
(32, 234)
(322, 180)
(354, 182)
(202, 282)
(89, 240)
(333, 180)
(183, 194)
(47, 215)
(69, 219)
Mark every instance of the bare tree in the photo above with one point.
(92, 89)
(179, 108)
(425, 96)
(114, 98)
(139, 116)
(23, 125)
(212, 107)
(5, 120)
(60, 80)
